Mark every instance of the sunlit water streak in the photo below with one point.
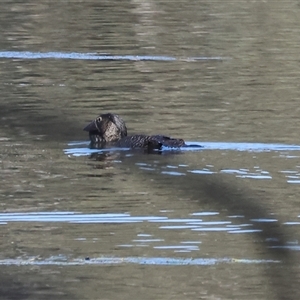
(194, 224)
(123, 218)
(160, 261)
(95, 56)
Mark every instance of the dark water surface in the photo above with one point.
(219, 222)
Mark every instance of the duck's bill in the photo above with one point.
(91, 127)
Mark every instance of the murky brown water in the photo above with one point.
(221, 223)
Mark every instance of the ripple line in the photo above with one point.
(63, 261)
(95, 56)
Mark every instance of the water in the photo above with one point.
(217, 222)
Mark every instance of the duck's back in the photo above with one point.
(149, 142)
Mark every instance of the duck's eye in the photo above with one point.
(99, 119)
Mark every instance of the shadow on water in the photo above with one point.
(239, 200)
(225, 194)
(250, 97)
(11, 288)
(21, 287)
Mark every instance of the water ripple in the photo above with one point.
(95, 56)
(160, 261)
(193, 224)
(257, 173)
(192, 146)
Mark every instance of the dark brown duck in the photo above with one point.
(111, 129)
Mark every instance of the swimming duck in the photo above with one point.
(111, 129)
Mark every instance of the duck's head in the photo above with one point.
(106, 128)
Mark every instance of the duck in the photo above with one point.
(109, 129)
